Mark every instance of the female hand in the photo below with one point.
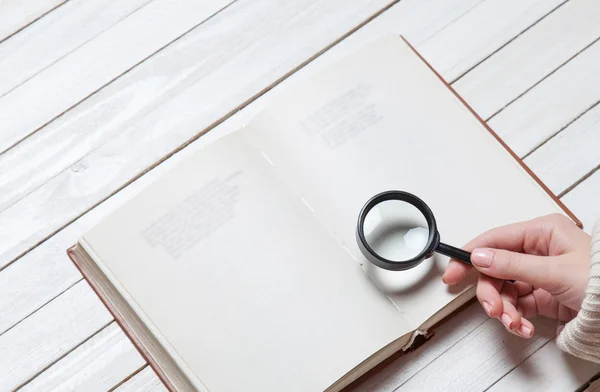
(549, 259)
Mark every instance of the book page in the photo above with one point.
(240, 278)
(381, 120)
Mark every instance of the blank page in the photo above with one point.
(381, 120)
(240, 279)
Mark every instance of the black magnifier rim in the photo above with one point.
(392, 265)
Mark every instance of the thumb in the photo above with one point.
(540, 271)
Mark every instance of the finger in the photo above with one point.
(523, 288)
(522, 236)
(527, 306)
(488, 294)
(511, 237)
(510, 317)
(455, 272)
(509, 292)
(526, 328)
(540, 271)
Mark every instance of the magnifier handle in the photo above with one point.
(457, 254)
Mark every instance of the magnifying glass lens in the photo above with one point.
(396, 230)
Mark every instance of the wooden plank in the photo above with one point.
(571, 154)
(495, 24)
(144, 381)
(397, 372)
(99, 364)
(549, 370)
(531, 57)
(46, 272)
(29, 285)
(477, 361)
(96, 63)
(56, 35)
(551, 105)
(17, 14)
(45, 336)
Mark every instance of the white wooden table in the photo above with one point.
(98, 97)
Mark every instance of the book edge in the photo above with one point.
(551, 194)
(72, 254)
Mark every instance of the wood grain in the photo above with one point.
(56, 35)
(398, 371)
(549, 369)
(47, 335)
(18, 14)
(477, 361)
(144, 381)
(531, 57)
(552, 104)
(70, 80)
(99, 364)
(46, 272)
(571, 154)
(488, 26)
(465, 356)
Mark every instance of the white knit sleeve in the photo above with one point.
(581, 336)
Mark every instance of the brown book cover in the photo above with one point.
(76, 258)
(72, 253)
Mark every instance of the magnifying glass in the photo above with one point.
(396, 231)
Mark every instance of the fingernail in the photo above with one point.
(524, 331)
(482, 257)
(488, 308)
(506, 320)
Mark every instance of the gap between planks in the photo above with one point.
(110, 79)
(128, 378)
(465, 72)
(26, 24)
(540, 82)
(56, 360)
(14, 47)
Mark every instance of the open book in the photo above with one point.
(239, 269)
